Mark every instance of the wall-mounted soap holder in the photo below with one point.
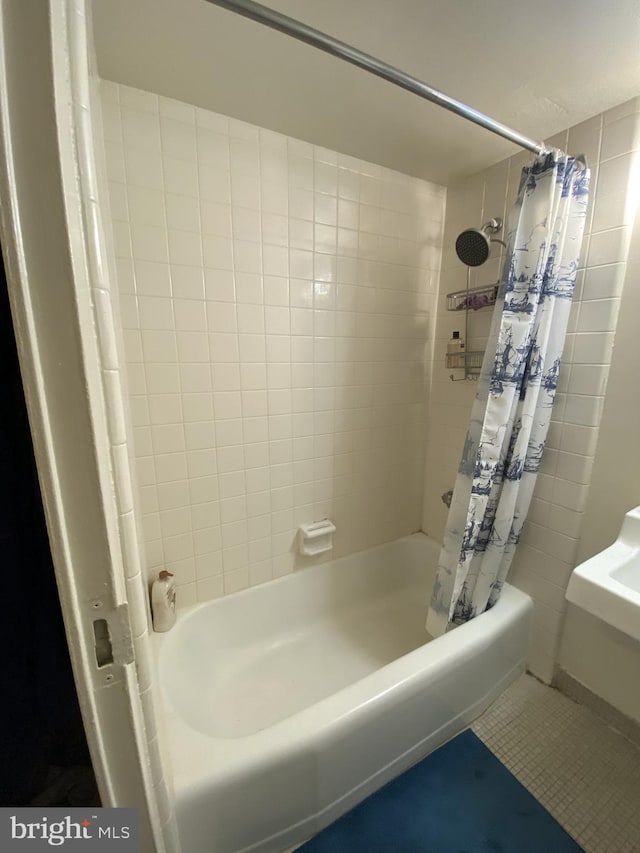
(316, 537)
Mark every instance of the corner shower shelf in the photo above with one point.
(470, 362)
(472, 299)
(469, 299)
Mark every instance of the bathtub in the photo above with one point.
(288, 703)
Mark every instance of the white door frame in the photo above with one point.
(43, 230)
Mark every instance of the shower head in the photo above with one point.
(472, 247)
(474, 244)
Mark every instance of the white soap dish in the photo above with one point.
(316, 538)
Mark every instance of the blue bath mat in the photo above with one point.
(460, 799)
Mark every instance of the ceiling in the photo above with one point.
(537, 67)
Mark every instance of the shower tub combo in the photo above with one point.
(288, 703)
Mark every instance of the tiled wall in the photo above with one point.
(594, 653)
(547, 552)
(277, 302)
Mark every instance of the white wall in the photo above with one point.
(277, 302)
(548, 548)
(615, 483)
(599, 657)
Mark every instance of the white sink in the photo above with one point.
(608, 585)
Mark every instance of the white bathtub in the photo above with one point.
(288, 703)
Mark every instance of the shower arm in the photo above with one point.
(322, 41)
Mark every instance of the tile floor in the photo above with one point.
(584, 773)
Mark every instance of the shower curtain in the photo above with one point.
(516, 389)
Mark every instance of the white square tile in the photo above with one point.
(178, 139)
(214, 184)
(217, 252)
(149, 243)
(197, 407)
(215, 219)
(180, 177)
(142, 169)
(209, 588)
(275, 261)
(140, 130)
(162, 378)
(152, 278)
(226, 377)
(214, 121)
(202, 463)
(159, 346)
(254, 404)
(223, 347)
(252, 348)
(253, 376)
(192, 347)
(593, 348)
(246, 224)
(229, 432)
(209, 570)
(276, 290)
(170, 467)
(300, 264)
(278, 348)
(598, 316)
(274, 198)
(249, 288)
(245, 190)
(165, 408)
(247, 256)
(219, 285)
(300, 234)
(174, 495)
(203, 489)
(250, 318)
(206, 541)
(213, 148)
(185, 248)
(190, 315)
(620, 137)
(275, 229)
(199, 436)
(221, 317)
(136, 99)
(155, 312)
(183, 212)
(234, 510)
(276, 320)
(177, 110)
(227, 404)
(168, 438)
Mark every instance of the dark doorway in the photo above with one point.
(44, 759)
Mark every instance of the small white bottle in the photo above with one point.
(455, 351)
(163, 602)
(456, 344)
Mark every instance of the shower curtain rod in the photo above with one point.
(296, 29)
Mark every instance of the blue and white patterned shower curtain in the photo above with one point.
(516, 389)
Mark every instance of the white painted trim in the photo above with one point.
(51, 240)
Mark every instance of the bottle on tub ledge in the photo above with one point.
(163, 602)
